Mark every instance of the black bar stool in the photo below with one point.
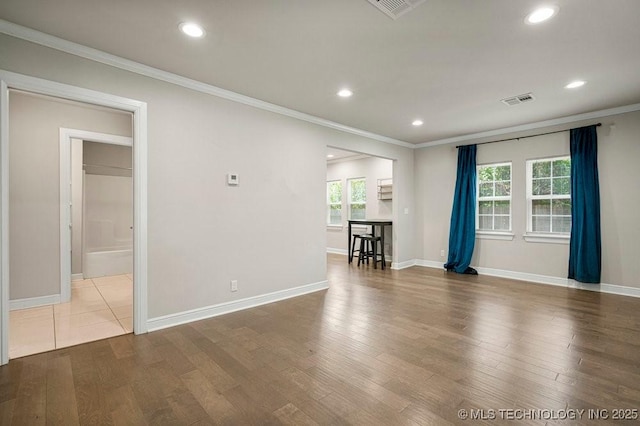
(353, 245)
(369, 250)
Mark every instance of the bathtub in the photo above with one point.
(107, 262)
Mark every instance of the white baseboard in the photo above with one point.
(172, 320)
(545, 279)
(34, 302)
(337, 251)
(77, 277)
(403, 265)
(430, 263)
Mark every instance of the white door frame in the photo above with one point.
(10, 80)
(65, 196)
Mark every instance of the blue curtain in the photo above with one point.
(584, 249)
(462, 233)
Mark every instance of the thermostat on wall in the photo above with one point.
(232, 179)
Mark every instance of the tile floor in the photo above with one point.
(99, 308)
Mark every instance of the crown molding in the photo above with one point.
(95, 55)
(534, 126)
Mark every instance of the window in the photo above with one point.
(334, 202)
(357, 198)
(494, 197)
(549, 195)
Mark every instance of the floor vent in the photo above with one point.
(395, 8)
(516, 100)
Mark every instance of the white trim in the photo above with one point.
(547, 238)
(4, 222)
(172, 320)
(523, 276)
(34, 302)
(548, 280)
(65, 196)
(342, 252)
(76, 49)
(494, 235)
(139, 109)
(403, 265)
(533, 126)
(351, 158)
(86, 135)
(75, 277)
(430, 263)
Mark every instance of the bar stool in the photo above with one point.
(369, 249)
(353, 245)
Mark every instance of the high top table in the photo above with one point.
(381, 223)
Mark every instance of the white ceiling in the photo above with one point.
(335, 155)
(448, 62)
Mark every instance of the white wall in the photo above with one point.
(618, 155)
(77, 206)
(269, 232)
(108, 212)
(371, 168)
(34, 193)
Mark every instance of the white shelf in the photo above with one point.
(385, 189)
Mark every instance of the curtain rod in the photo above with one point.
(523, 137)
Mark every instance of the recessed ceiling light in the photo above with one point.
(541, 15)
(330, 155)
(575, 84)
(417, 123)
(345, 93)
(191, 29)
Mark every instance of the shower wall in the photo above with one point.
(107, 210)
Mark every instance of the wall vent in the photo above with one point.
(395, 8)
(520, 99)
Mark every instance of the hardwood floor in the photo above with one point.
(379, 347)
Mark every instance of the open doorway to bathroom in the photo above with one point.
(71, 260)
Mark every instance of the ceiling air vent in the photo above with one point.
(516, 100)
(395, 8)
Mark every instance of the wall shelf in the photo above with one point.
(385, 189)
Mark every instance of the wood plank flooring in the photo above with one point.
(410, 347)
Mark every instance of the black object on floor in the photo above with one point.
(468, 271)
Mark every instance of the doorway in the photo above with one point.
(359, 186)
(91, 99)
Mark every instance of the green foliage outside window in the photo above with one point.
(357, 198)
(494, 197)
(551, 195)
(334, 202)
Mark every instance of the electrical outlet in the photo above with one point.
(234, 285)
(441, 253)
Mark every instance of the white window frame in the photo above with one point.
(538, 236)
(329, 203)
(349, 195)
(502, 234)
